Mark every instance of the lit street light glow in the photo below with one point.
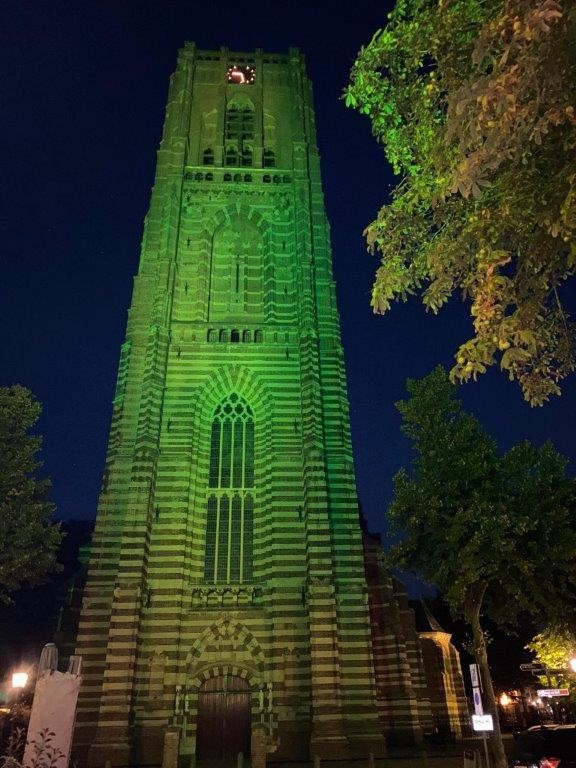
(19, 679)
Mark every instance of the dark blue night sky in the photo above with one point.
(83, 94)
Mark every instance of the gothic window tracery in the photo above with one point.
(239, 133)
(230, 502)
(236, 273)
(208, 137)
(231, 156)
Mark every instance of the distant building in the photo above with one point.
(443, 676)
(233, 603)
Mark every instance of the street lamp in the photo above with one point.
(19, 680)
(18, 716)
(572, 663)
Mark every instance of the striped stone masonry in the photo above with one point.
(227, 583)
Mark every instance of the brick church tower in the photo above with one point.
(226, 603)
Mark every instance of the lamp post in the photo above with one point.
(19, 680)
(14, 725)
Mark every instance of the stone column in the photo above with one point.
(258, 747)
(171, 748)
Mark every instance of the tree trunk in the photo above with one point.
(472, 606)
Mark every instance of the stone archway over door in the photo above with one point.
(224, 719)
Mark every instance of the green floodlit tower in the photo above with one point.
(226, 599)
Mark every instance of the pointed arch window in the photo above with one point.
(268, 159)
(239, 134)
(231, 156)
(230, 503)
(239, 122)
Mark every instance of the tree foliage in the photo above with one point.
(28, 537)
(554, 647)
(469, 515)
(495, 533)
(474, 103)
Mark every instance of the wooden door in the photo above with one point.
(224, 722)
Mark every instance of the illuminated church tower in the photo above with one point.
(226, 607)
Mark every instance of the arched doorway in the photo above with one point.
(224, 720)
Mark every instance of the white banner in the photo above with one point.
(52, 719)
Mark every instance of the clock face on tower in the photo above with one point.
(241, 75)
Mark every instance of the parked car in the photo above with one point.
(545, 746)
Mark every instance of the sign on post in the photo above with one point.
(474, 676)
(482, 723)
(478, 709)
(477, 696)
(549, 693)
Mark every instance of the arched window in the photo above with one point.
(268, 159)
(230, 503)
(258, 337)
(235, 335)
(212, 335)
(239, 122)
(246, 336)
(231, 156)
(239, 133)
(232, 122)
(223, 335)
(208, 156)
(237, 273)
